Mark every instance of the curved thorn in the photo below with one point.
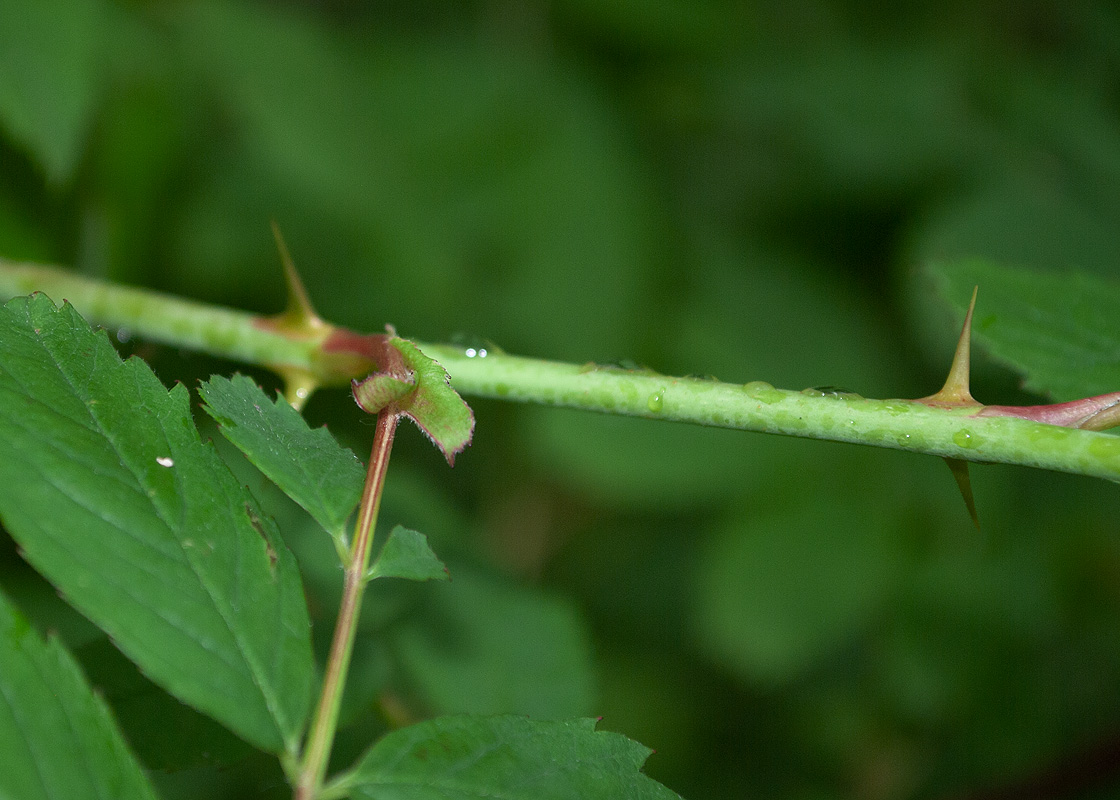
(959, 469)
(956, 391)
(299, 310)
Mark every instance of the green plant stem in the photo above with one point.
(321, 737)
(225, 332)
(897, 424)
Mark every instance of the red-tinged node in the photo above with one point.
(1091, 413)
(375, 348)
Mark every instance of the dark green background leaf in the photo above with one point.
(58, 738)
(112, 496)
(559, 235)
(166, 734)
(51, 62)
(309, 465)
(481, 645)
(786, 583)
(471, 758)
(1060, 329)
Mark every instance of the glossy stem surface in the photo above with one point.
(755, 406)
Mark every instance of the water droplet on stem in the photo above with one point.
(966, 438)
(762, 391)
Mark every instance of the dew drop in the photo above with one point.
(123, 334)
(656, 400)
(302, 392)
(966, 438)
(473, 345)
(834, 392)
(165, 461)
(898, 406)
(762, 391)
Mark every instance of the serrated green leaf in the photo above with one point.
(515, 758)
(57, 737)
(112, 496)
(406, 554)
(1060, 329)
(308, 465)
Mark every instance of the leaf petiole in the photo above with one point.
(323, 727)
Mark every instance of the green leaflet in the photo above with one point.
(111, 495)
(515, 758)
(406, 554)
(308, 465)
(1059, 329)
(58, 738)
(379, 390)
(433, 405)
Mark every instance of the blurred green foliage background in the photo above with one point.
(702, 186)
